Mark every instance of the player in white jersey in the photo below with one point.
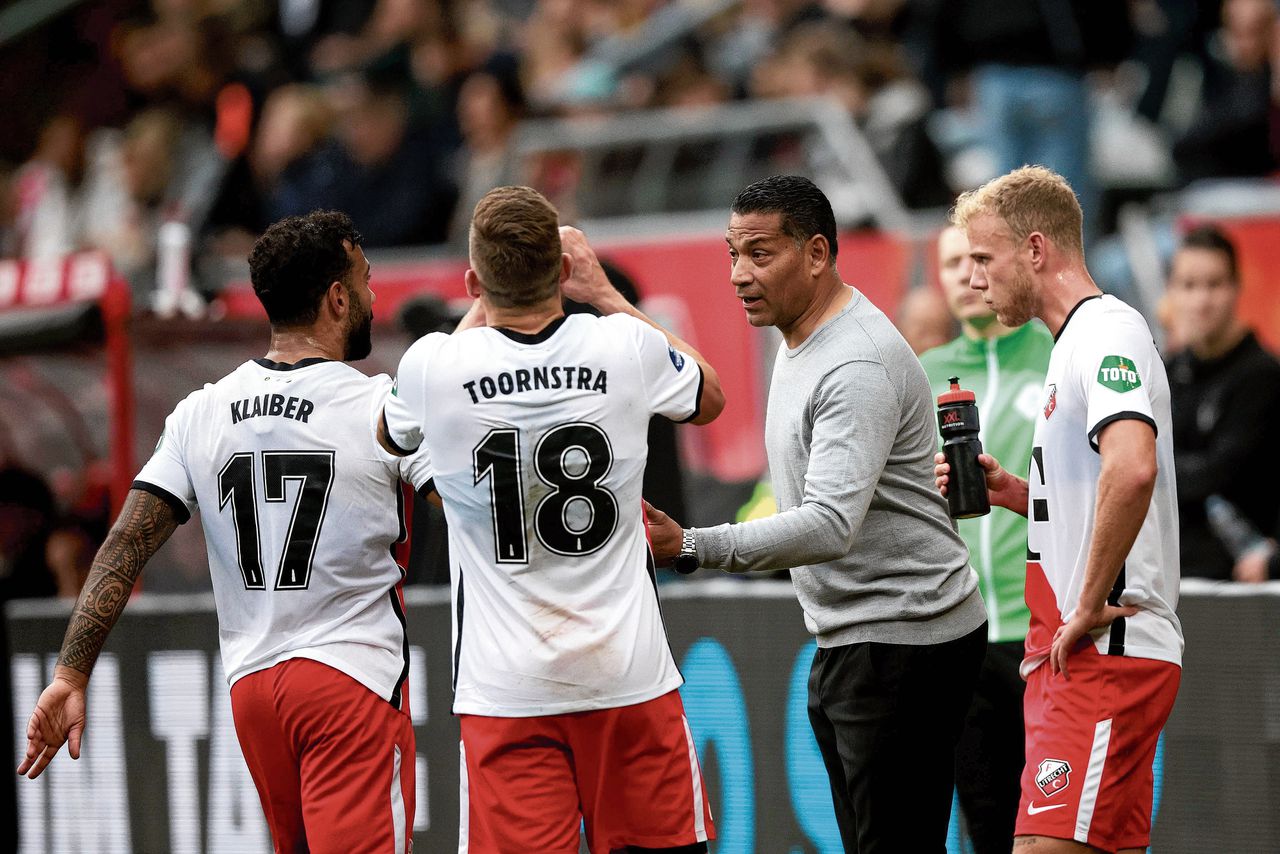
(1104, 651)
(535, 425)
(301, 508)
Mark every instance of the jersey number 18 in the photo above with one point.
(576, 518)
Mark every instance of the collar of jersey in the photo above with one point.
(535, 338)
(286, 366)
(1072, 313)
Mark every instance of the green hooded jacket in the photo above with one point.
(1007, 376)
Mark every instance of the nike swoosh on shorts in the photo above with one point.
(1032, 809)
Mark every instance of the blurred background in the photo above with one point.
(146, 143)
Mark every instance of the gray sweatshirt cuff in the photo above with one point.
(713, 545)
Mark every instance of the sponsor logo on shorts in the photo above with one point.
(1053, 776)
(1053, 401)
(1032, 809)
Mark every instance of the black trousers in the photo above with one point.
(887, 718)
(992, 751)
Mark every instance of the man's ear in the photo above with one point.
(1036, 244)
(472, 283)
(819, 253)
(566, 267)
(338, 299)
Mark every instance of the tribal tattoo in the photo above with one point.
(141, 529)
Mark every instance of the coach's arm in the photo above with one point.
(144, 524)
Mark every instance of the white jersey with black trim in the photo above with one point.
(538, 446)
(1104, 367)
(300, 510)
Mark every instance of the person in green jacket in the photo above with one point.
(1005, 368)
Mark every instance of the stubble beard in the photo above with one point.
(360, 337)
(1022, 303)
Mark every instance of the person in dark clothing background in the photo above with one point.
(1232, 134)
(1026, 62)
(1225, 396)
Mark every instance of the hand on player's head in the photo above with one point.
(587, 282)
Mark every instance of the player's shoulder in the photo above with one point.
(431, 343)
(1119, 312)
(1103, 321)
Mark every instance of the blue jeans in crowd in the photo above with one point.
(1038, 115)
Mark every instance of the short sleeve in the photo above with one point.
(415, 469)
(405, 404)
(672, 379)
(165, 475)
(1115, 370)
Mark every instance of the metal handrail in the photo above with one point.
(837, 154)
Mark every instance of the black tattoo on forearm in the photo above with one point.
(144, 524)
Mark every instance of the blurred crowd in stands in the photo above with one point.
(224, 115)
(133, 125)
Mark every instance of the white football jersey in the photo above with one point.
(300, 511)
(538, 446)
(1104, 368)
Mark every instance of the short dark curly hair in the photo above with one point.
(295, 261)
(1212, 238)
(805, 209)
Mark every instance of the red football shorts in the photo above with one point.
(333, 762)
(1091, 741)
(632, 769)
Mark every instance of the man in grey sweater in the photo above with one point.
(882, 576)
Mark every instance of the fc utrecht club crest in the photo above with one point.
(1053, 776)
(1053, 401)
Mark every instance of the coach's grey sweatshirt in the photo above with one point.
(850, 434)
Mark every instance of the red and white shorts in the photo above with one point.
(1091, 741)
(632, 770)
(332, 761)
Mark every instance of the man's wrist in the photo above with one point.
(610, 301)
(686, 561)
(69, 674)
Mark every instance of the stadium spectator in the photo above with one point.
(924, 320)
(564, 681)
(1231, 135)
(48, 192)
(310, 619)
(1005, 369)
(295, 123)
(27, 518)
(1225, 395)
(1104, 647)
(1027, 63)
(164, 168)
(490, 106)
(883, 578)
(378, 168)
(872, 82)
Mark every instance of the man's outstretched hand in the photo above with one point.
(58, 719)
(665, 535)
